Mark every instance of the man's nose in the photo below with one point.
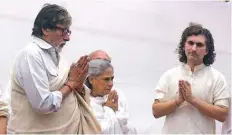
(67, 37)
(194, 47)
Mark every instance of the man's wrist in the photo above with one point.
(177, 103)
(192, 101)
(70, 85)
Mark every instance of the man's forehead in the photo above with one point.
(63, 26)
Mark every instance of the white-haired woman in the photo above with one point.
(109, 105)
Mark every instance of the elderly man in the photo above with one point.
(111, 110)
(193, 95)
(48, 95)
(99, 54)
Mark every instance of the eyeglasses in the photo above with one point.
(64, 31)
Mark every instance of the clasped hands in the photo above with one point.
(112, 100)
(185, 92)
(77, 74)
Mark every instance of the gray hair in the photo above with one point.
(49, 16)
(96, 68)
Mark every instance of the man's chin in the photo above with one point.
(59, 49)
(191, 57)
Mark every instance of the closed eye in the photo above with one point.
(107, 79)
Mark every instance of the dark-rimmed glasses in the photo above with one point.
(64, 31)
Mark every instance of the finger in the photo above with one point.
(113, 94)
(72, 66)
(88, 59)
(182, 82)
(179, 83)
(188, 88)
(188, 84)
(183, 85)
(115, 99)
(80, 59)
(84, 58)
(116, 95)
(183, 94)
(109, 96)
(85, 70)
(181, 90)
(85, 63)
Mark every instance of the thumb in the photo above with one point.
(73, 64)
(187, 83)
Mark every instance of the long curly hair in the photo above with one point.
(197, 29)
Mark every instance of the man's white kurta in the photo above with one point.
(207, 84)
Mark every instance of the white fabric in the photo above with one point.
(4, 102)
(226, 126)
(207, 84)
(34, 77)
(73, 117)
(112, 122)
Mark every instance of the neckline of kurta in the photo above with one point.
(196, 68)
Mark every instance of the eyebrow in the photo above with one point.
(198, 43)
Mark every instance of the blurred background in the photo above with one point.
(139, 35)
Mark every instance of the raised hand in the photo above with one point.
(77, 73)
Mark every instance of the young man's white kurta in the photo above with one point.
(4, 102)
(207, 84)
(226, 126)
